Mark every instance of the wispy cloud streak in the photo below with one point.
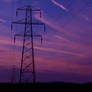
(50, 23)
(59, 5)
(59, 51)
(2, 21)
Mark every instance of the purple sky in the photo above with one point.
(66, 53)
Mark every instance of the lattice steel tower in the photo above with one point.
(27, 67)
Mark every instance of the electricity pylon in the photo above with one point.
(27, 67)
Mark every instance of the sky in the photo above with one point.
(66, 52)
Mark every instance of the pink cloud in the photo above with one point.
(4, 40)
(3, 21)
(59, 28)
(49, 23)
(59, 51)
(3, 28)
(62, 66)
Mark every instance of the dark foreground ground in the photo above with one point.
(47, 86)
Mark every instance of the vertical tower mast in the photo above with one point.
(27, 67)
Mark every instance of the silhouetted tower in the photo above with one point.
(27, 68)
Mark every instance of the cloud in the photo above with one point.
(86, 18)
(55, 26)
(65, 66)
(59, 5)
(59, 51)
(66, 41)
(2, 21)
(50, 23)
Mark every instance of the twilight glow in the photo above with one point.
(66, 52)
